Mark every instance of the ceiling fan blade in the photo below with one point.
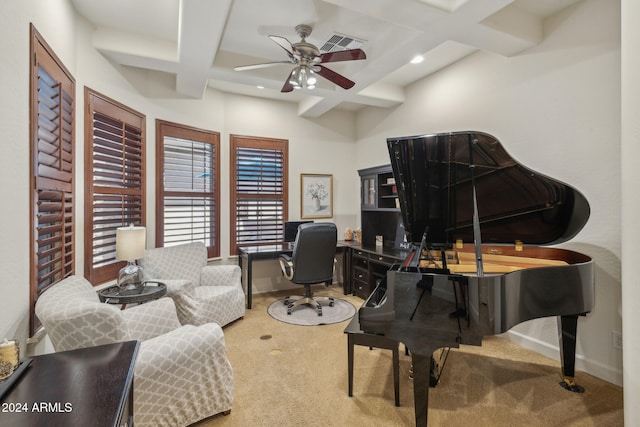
(265, 65)
(334, 77)
(288, 87)
(285, 44)
(342, 55)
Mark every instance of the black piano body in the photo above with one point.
(478, 221)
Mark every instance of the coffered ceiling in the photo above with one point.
(201, 41)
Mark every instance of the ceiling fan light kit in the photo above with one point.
(307, 59)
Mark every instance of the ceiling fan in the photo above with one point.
(308, 59)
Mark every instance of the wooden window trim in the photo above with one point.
(52, 183)
(239, 141)
(96, 102)
(164, 129)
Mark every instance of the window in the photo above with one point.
(52, 136)
(259, 191)
(187, 207)
(114, 181)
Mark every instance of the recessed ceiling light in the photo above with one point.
(417, 59)
(260, 87)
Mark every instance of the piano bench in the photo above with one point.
(356, 337)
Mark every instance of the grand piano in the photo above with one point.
(477, 226)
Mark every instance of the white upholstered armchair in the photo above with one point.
(182, 374)
(202, 293)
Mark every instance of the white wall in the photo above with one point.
(323, 145)
(630, 154)
(556, 109)
(14, 163)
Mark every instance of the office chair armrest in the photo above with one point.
(286, 265)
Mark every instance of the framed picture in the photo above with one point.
(316, 196)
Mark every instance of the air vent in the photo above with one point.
(341, 42)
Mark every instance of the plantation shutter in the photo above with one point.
(259, 207)
(115, 184)
(52, 198)
(188, 187)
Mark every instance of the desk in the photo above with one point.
(256, 253)
(88, 386)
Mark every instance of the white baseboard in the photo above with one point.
(597, 369)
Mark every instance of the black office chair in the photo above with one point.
(312, 262)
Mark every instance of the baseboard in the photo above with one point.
(597, 369)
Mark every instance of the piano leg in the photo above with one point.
(421, 370)
(568, 331)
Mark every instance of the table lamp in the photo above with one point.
(130, 244)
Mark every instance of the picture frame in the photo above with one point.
(316, 196)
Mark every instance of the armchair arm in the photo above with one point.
(151, 319)
(221, 275)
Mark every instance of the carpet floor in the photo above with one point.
(291, 375)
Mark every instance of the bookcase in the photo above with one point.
(378, 189)
(379, 208)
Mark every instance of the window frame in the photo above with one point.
(176, 130)
(260, 143)
(132, 197)
(52, 169)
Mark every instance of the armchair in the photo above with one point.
(202, 293)
(182, 374)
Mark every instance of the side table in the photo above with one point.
(88, 386)
(147, 292)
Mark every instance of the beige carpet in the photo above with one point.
(290, 375)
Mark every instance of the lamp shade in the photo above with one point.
(130, 242)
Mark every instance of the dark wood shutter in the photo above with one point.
(52, 130)
(114, 181)
(188, 168)
(259, 191)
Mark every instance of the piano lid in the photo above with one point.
(434, 174)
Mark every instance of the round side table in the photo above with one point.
(147, 292)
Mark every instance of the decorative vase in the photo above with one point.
(316, 204)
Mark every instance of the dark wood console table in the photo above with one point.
(90, 386)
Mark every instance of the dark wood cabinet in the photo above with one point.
(378, 189)
(379, 208)
(380, 219)
(90, 386)
(369, 265)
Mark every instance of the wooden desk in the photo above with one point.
(89, 386)
(249, 254)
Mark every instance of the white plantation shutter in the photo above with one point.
(259, 191)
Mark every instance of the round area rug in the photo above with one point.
(306, 315)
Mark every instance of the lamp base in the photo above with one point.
(130, 276)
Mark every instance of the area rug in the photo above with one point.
(307, 316)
